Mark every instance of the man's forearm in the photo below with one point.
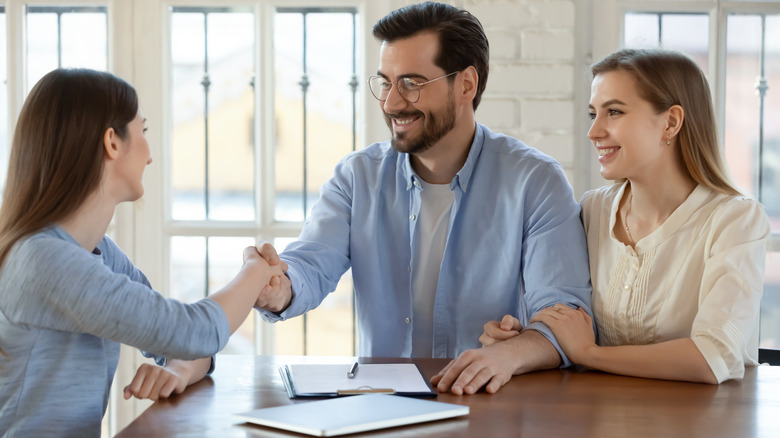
(533, 352)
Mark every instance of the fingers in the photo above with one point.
(151, 386)
(141, 385)
(472, 379)
(168, 388)
(437, 378)
(509, 322)
(585, 315)
(467, 374)
(276, 295)
(553, 313)
(250, 252)
(496, 383)
(151, 382)
(546, 316)
(493, 332)
(268, 252)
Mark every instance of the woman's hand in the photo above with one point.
(572, 328)
(154, 382)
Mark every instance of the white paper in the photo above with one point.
(330, 378)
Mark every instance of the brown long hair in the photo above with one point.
(57, 152)
(462, 40)
(665, 78)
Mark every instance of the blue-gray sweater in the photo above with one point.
(63, 313)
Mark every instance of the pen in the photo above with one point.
(352, 370)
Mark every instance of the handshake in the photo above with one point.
(264, 263)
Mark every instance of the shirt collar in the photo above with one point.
(463, 176)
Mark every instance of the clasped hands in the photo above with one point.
(275, 296)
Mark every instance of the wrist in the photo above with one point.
(586, 356)
(532, 351)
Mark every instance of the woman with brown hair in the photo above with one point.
(68, 295)
(676, 253)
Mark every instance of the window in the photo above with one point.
(683, 31)
(248, 153)
(741, 70)
(4, 134)
(315, 106)
(65, 37)
(752, 140)
(55, 37)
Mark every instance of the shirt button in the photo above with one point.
(408, 269)
(412, 217)
(416, 183)
(408, 320)
(626, 286)
(622, 316)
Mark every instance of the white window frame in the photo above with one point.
(151, 216)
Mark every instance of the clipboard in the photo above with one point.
(330, 380)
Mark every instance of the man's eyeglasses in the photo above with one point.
(408, 88)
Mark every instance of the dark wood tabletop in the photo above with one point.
(555, 403)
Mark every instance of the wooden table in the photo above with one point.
(556, 403)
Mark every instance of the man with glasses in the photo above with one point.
(446, 226)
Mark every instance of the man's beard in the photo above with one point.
(435, 127)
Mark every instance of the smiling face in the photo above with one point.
(417, 126)
(628, 133)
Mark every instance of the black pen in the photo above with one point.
(352, 371)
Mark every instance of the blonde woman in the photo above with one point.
(676, 253)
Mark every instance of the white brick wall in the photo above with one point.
(531, 87)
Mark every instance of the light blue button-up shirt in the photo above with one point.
(515, 245)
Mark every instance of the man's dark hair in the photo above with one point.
(462, 41)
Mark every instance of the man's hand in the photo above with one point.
(276, 296)
(155, 382)
(497, 331)
(493, 365)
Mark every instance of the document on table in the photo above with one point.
(339, 416)
(331, 380)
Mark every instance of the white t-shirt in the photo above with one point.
(435, 206)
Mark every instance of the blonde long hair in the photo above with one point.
(665, 78)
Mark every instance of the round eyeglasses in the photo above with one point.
(408, 88)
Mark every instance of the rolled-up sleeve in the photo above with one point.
(725, 327)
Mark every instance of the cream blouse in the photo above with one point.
(699, 275)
